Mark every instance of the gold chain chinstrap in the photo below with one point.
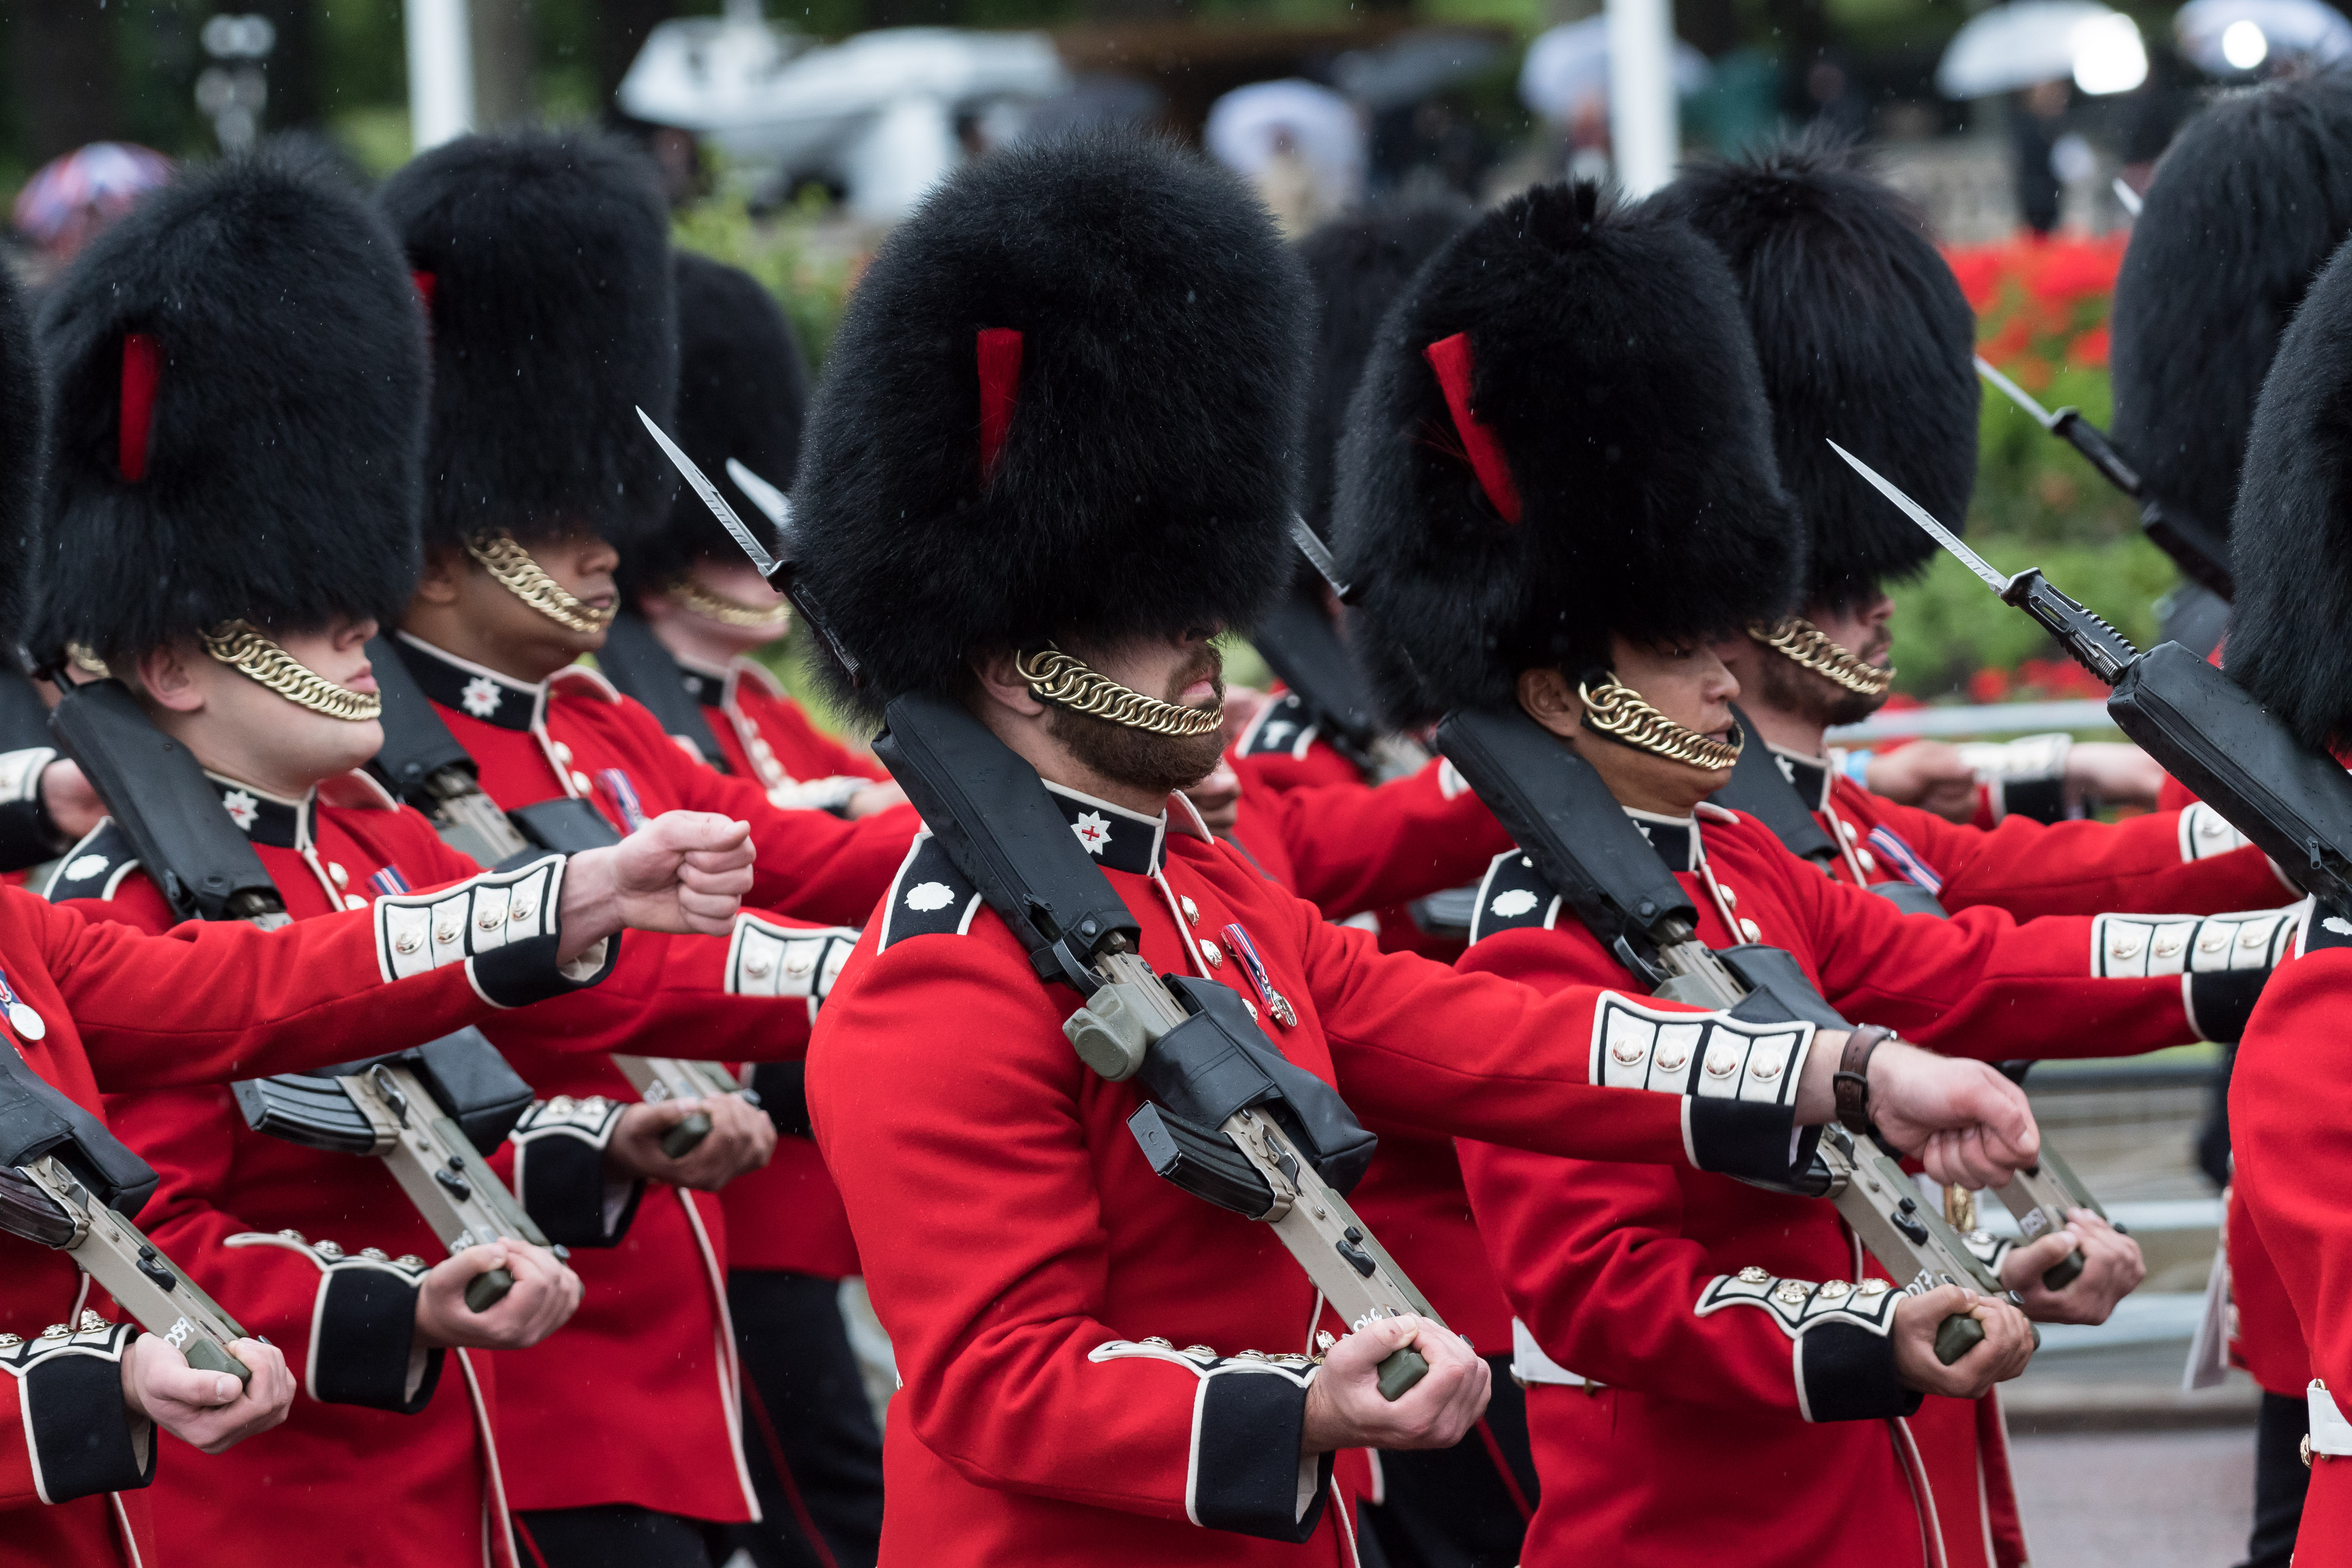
(242, 648)
(523, 577)
(1054, 677)
(1619, 713)
(731, 611)
(1799, 640)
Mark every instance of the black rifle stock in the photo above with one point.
(1559, 812)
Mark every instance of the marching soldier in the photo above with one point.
(812, 1450)
(2251, 200)
(547, 266)
(1608, 504)
(2287, 1103)
(94, 1007)
(1049, 460)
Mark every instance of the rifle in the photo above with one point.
(2038, 1197)
(67, 1183)
(2201, 726)
(400, 1106)
(1228, 1119)
(2199, 552)
(423, 763)
(634, 660)
(1562, 816)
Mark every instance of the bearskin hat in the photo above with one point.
(21, 435)
(1863, 338)
(238, 376)
(1063, 402)
(1560, 434)
(546, 262)
(2253, 196)
(1357, 265)
(742, 386)
(2291, 542)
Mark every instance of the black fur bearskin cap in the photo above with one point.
(2291, 543)
(743, 387)
(1863, 338)
(237, 373)
(546, 260)
(1357, 265)
(2251, 200)
(1063, 402)
(1612, 403)
(22, 437)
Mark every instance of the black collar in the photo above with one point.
(265, 818)
(1675, 838)
(477, 692)
(1119, 839)
(1811, 777)
(705, 687)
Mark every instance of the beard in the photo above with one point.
(1161, 764)
(1792, 689)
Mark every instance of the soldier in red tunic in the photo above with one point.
(2287, 1113)
(1676, 1324)
(537, 465)
(1048, 462)
(695, 615)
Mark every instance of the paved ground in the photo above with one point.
(2136, 1499)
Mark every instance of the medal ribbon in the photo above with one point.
(1238, 941)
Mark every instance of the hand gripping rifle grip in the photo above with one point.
(1401, 1372)
(685, 1137)
(486, 1290)
(1956, 1336)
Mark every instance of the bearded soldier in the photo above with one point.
(695, 612)
(1048, 461)
(1608, 506)
(94, 1007)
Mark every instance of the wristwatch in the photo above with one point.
(1851, 1084)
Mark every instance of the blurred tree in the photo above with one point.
(621, 26)
(61, 68)
(297, 93)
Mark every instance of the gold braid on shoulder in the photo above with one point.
(527, 580)
(1799, 640)
(730, 612)
(242, 648)
(1619, 713)
(1054, 677)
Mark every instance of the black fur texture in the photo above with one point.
(1612, 363)
(2251, 200)
(22, 439)
(2291, 543)
(283, 453)
(1863, 338)
(1357, 265)
(742, 388)
(1150, 471)
(554, 321)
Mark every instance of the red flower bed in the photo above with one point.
(2041, 304)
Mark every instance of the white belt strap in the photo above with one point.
(2330, 1433)
(1530, 1365)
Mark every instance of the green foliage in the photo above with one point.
(1947, 625)
(811, 287)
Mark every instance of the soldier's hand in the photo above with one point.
(876, 797)
(2112, 1270)
(1218, 798)
(2007, 1346)
(1344, 1407)
(67, 796)
(2114, 772)
(544, 1296)
(1964, 1120)
(741, 1137)
(1929, 774)
(683, 871)
(210, 1409)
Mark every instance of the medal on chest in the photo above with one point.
(27, 1023)
(1238, 942)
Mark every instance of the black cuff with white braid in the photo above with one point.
(1844, 1364)
(766, 959)
(1249, 1416)
(1737, 1080)
(80, 1438)
(559, 1177)
(1986, 1248)
(362, 1324)
(503, 926)
(2224, 961)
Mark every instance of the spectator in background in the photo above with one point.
(2035, 126)
(74, 196)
